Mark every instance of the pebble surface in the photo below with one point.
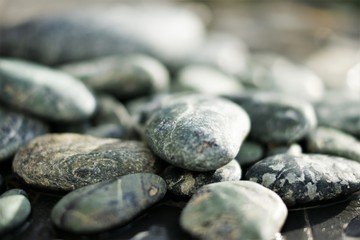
(70, 161)
(197, 132)
(250, 152)
(103, 205)
(234, 210)
(306, 178)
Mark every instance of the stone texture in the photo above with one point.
(103, 205)
(45, 92)
(16, 129)
(306, 178)
(69, 161)
(184, 183)
(250, 152)
(197, 132)
(234, 210)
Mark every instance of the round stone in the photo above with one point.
(69, 161)
(306, 178)
(234, 210)
(197, 132)
(184, 183)
(45, 92)
(103, 205)
(250, 152)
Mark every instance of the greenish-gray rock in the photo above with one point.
(14, 191)
(45, 92)
(334, 142)
(250, 152)
(69, 161)
(234, 210)
(306, 178)
(184, 183)
(109, 130)
(14, 210)
(16, 129)
(103, 205)
(293, 149)
(197, 132)
(124, 76)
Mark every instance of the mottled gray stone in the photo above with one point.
(14, 191)
(250, 152)
(103, 205)
(45, 92)
(197, 132)
(293, 149)
(125, 77)
(234, 210)
(69, 161)
(306, 178)
(14, 210)
(275, 118)
(16, 129)
(184, 183)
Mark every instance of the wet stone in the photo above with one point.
(107, 204)
(197, 132)
(234, 210)
(44, 92)
(334, 142)
(293, 149)
(250, 152)
(184, 183)
(69, 161)
(275, 118)
(14, 210)
(16, 129)
(306, 178)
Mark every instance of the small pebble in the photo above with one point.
(250, 152)
(293, 149)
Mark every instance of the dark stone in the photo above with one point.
(353, 228)
(250, 152)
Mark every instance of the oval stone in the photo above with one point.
(234, 210)
(69, 161)
(103, 205)
(45, 92)
(184, 183)
(197, 132)
(250, 152)
(306, 178)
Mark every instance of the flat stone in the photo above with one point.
(184, 183)
(69, 161)
(197, 132)
(275, 118)
(306, 178)
(334, 142)
(124, 76)
(45, 92)
(103, 205)
(16, 129)
(250, 152)
(234, 210)
(292, 149)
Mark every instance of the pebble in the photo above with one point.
(45, 92)
(334, 142)
(14, 210)
(123, 76)
(14, 191)
(16, 129)
(184, 183)
(250, 152)
(197, 132)
(352, 230)
(107, 204)
(306, 178)
(276, 119)
(293, 149)
(69, 161)
(234, 210)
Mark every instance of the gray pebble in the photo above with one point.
(293, 149)
(103, 205)
(197, 132)
(69, 161)
(250, 152)
(234, 210)
(306, 178)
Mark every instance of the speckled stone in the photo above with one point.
(293, 149)
(14, 210)
(16, 129)
(334, 142)
(45, 92)
(184, 183)
(250, 152)
(197, 132)
(125, 77)
(234, 210)
(275, 118)
(306, 178)
(103, 205)
(70, 161)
